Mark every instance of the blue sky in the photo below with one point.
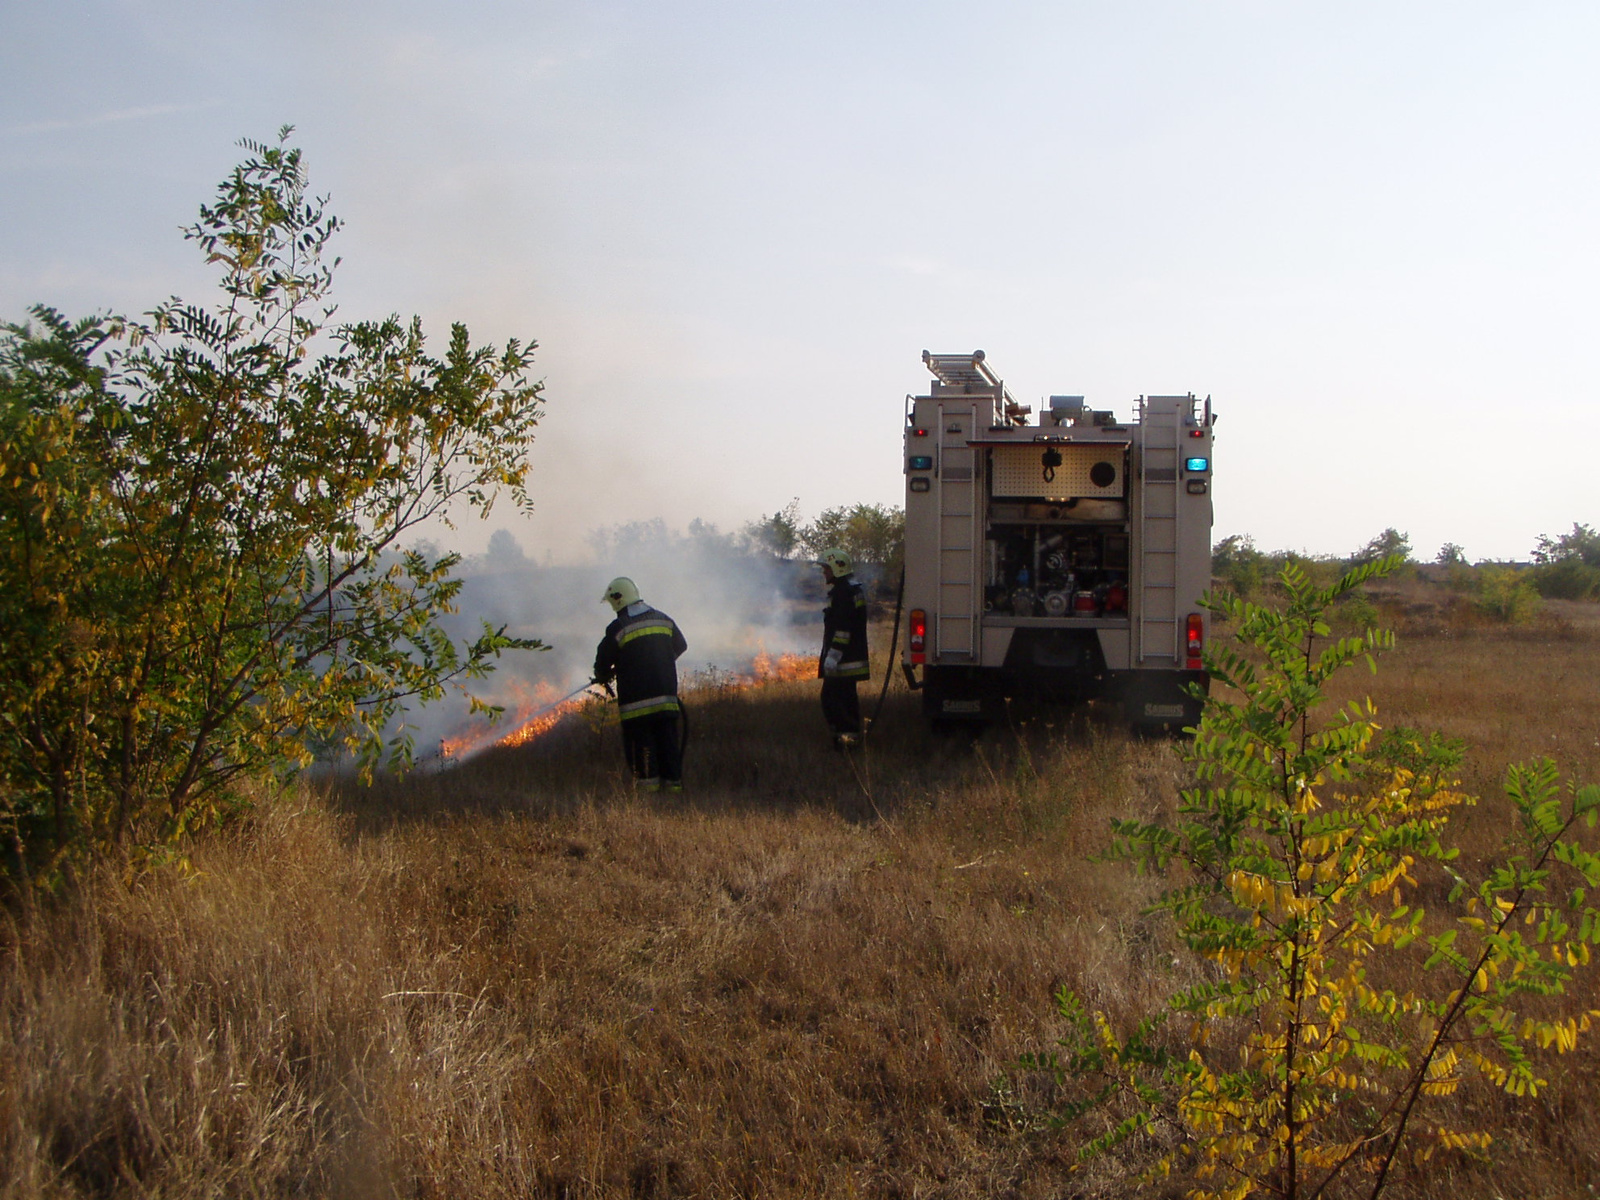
(1368, 231)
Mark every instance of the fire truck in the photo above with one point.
(1058, 561)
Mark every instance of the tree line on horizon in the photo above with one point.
(1565, 567)
(872, 534)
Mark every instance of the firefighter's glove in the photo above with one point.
(831, 660)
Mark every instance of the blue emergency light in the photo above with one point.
(924, 462)
(1196, 464)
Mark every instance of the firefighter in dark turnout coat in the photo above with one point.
(640, 651)
(843, 662)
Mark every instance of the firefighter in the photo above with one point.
(843, 661)
(640, 651)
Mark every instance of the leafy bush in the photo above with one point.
(1582, 544)
(1238, 565)
(1295, 865)
(1358, 612)
(868, 533)
(1568, 567)
(1390, 544)
(1568, 579)
(201, 516)
(1507, 595)
(777, 535)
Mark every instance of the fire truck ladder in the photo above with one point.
(1157, 627)
(966, 371)
(957, 480)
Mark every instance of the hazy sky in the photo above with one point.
(1368, 231)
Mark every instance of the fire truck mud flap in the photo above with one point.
(1160, 699)
(961, 695)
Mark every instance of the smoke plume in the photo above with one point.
(732, 598)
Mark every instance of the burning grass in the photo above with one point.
(534, 711)
(515, 978)
(537, 709)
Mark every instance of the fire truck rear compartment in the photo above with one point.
(1056, 568)
(1061, 561)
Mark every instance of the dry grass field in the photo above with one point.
(808, 977)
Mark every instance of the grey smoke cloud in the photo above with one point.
(731, 599)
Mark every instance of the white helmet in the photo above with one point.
(620, 593)
(837, 561)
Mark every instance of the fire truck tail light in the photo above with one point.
(919, 635)
(1195, 639)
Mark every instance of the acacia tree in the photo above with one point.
(777, 535)
(868, 533)
(202, 521)
(1568, 567)
(1391, 543)
(1338, 1016)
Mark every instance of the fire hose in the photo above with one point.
(894, 640)
(444, 761)
(555, 704)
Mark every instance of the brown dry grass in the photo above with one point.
(805, 979)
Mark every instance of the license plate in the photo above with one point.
(1163, 710)
(963, 706)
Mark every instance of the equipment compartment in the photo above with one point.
(1055, 569)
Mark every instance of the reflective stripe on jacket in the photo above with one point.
(844, 628)
(640, 651)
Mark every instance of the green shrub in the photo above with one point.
(1582, 544)
(1461, 578)
(1566, 579)
(1237, 565)
(1507, 594)
(201, 520)
(1358, 612)
(1295, 862)
(1391, 544)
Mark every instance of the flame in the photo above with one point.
(765, 667)
(537, 711)
(527, 722)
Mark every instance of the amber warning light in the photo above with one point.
(919, 636)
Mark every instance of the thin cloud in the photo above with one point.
(142, 113)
